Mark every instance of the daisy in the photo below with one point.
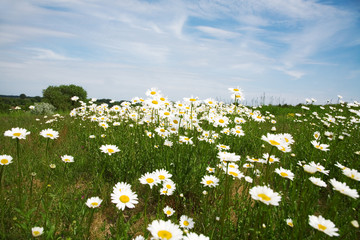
(121, 186)
(344, 189)
(37, 231)
(186, 222)
(228, 157)
(149, 178)
(194, 236)
(5, 159)
(352, 173)
(285, 173)
(235, 173)
(93, 202)
(289, 222)
(162, 174)
(210, 181)
(139, 237)
(210, 169)
(270, 159)
(169, 185)
(323, 225)
(322, 147)
(317, 181)
(109, 149)
(125, 198)
(67, 158)
(168, 211)
(265, 195)
(273, 139)
(19, 133)
(49, 133)
(161, 230)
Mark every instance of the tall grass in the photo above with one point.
(54, 197)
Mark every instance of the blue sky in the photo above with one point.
(288, 49)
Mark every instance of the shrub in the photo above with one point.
(43, 108)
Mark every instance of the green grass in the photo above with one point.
(55, 198)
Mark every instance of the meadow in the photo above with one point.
(191, 169)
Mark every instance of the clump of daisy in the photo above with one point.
(265, 195)
(323, 225)
(168, 211)
(186, 222)
(93, 202)
(160, 230)
(109, 149)
(37, 231)
(19, 133)
(49, 133)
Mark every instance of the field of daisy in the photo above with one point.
(191, 169)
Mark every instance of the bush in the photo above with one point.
(43, 108)
(60, 96)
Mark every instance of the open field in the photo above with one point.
(226, 171)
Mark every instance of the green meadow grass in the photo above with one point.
(34, 194)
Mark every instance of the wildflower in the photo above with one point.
(186, 222)
(92, 136)
(125, 198)
(248, 179)
(52, 166)
(344, 189)
(109, 149)
(210, 181)
(322, 147)
(162, 174)
(265, 195)
(228, 157)
(93, 202)
(67, 158)
(168, 211)
(273, 139)
(355, 223)
(5, 159)
(160, 230)
(49, 133)
(149, 178)
(210, 169)
(323, 225)
(352, 173)
(317, 181)
(194, 236)
(169, 186)
(139, 237)
(37, 231)
(289, 222)
(285, 173)
(75, 98)
(184, 139)
(271, 159)
(19, 133)
(121, 186)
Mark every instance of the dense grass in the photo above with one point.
(55, 198)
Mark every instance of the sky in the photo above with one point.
(287, 50)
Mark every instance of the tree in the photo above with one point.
(60, 96)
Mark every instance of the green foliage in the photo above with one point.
(43, 108)
(60, 96)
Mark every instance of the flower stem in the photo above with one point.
(89, 224)
(225, 202)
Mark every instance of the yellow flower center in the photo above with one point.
(163, 234)
(153, 93)
(322, 227)
(192, 99)
(284, 174)
(49, 135)
(273, 142)
(175, 121)
(162, 99)
(161, 177)
(168, 186)
(186, 223)
(66, 160)
(210, 102)
(162, 130)
(4, 161)
(221, 121)
(149, 180)
(186, 139)
(208, 182)
(124, 199)
(111, 150)
(17, 134)
(168, 212)
(155, 102)
(264, 197)
(234, 174)
(36, 233)
(94, 204)
(166, 113)
(236, 89)
(290, 224)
